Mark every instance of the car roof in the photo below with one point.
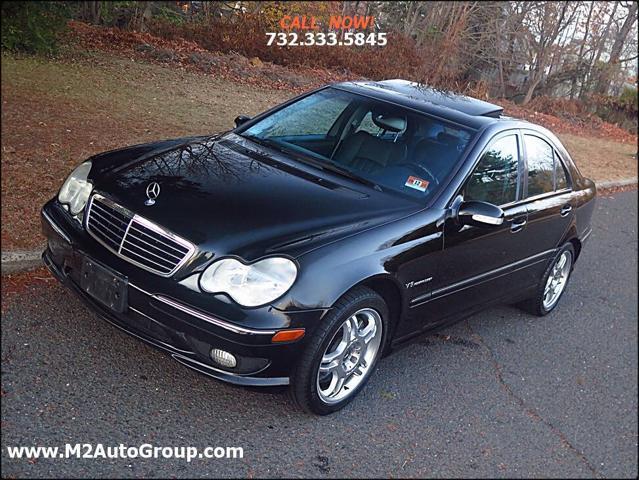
(460, 109)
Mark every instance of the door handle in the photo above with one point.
(518, 224)
(565, 210)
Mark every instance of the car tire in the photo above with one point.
(311, 389)
(543, 303)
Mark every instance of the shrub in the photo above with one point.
(170, 16)
(33, 27)
(629, 98)
(399, 58)
(621, 110)
(560, 107)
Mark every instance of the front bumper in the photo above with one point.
(172, 317)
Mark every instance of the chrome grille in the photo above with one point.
(135, 238)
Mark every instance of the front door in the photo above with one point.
(482, 264)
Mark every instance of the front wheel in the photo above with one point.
(342, 354)
(553, 283)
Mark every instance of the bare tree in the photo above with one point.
(605, 77)
(582, 45)
(546, 22)
(599, 44)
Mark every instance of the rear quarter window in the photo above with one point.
(561, 179)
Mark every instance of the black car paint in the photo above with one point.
(234, 198)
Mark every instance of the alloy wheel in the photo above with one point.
(557, 280)
(349, 356)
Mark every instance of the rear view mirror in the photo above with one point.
(480, 214)
(241, 119)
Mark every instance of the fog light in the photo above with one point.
(223, 358)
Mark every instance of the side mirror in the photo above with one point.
(480, 214)
(241, 119)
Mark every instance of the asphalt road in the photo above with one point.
(502, 394)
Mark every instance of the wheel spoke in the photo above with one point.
(327, 367)
(368, 332)
(331, 386)
(338, 377)
(353, 327)
(548, 285)
(335, 354)
(561, 262)
(348, 330)
(338, 386)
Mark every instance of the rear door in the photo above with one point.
(548, 196)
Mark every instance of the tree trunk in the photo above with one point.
(500, 61)
(146, 16)
(409, 22)
(90, 12)
(532, 85)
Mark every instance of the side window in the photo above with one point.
(561, 181)
(541, 166)
(494, 179)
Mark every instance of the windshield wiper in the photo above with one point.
(282, 149)
(266, 142)
(341, 170)
(329, 165)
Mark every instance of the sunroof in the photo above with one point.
(462, 103)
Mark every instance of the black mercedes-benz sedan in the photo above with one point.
(300, 246)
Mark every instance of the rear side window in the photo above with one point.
(545, 171)
(494, 179)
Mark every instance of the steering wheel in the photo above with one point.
(424, 171)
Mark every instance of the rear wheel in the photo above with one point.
(553, 283)
(342, 354)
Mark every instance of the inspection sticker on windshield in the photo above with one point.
(417, 183)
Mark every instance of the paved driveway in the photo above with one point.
(502, 394)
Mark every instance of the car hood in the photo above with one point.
(229, 196)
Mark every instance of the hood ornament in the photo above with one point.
(152, 192)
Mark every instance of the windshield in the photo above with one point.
(370, 141)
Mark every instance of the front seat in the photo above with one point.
(366, 153)
(438, 156)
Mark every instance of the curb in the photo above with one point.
(617, 183)
(23, 260)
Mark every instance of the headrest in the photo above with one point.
(447, 138)
(389, 123)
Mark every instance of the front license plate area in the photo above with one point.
(104, 285)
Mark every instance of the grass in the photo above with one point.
(57, 113)
(602, 159)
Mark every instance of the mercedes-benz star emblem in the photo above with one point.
(152, 192)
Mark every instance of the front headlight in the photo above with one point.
(250, 285)
(76, 189)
